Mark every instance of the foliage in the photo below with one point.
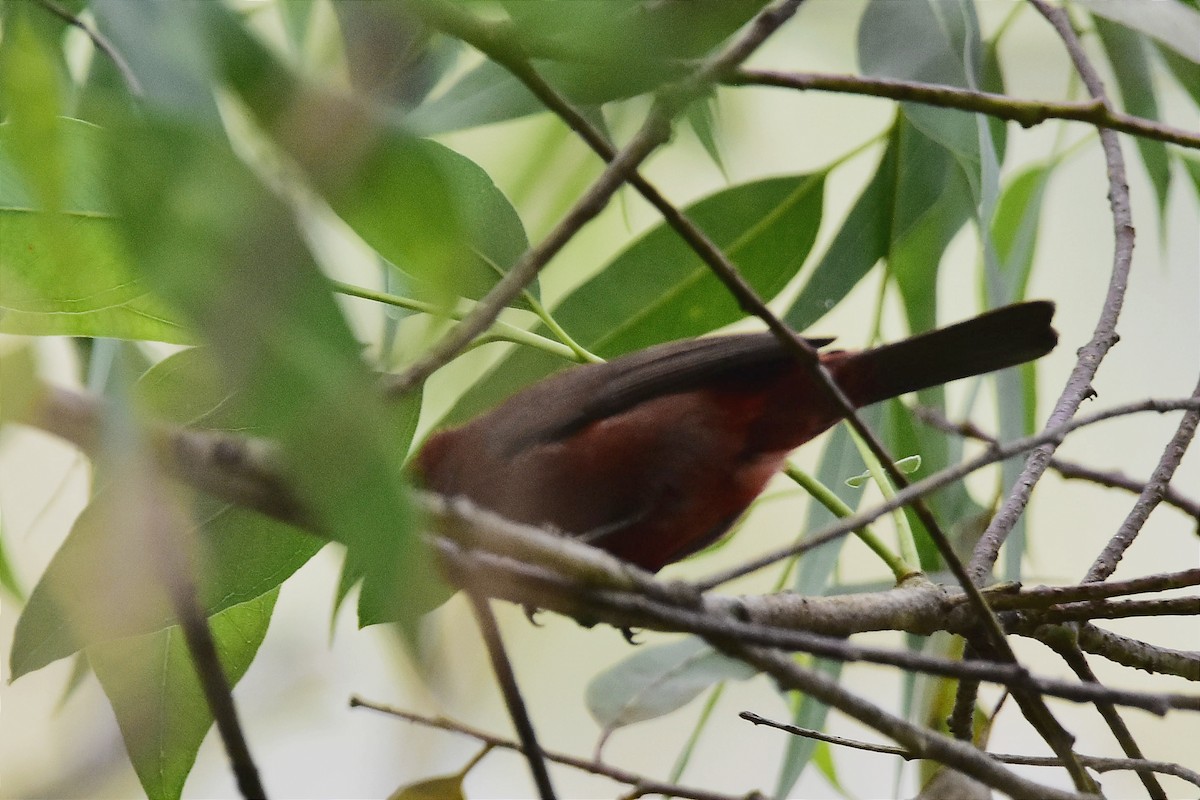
(200, 185)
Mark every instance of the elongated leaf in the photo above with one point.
(428, 210)
(657, 680)
(1173, 23)
(592, 51)
(1127, 55)
(658, 289)
(156, 696)
(1187, 73)
(99, 586)
(807, 713)
(226, 252)
(860, 243)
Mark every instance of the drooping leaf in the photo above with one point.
(1127, 55)
(657, 680)
(1172, 23)
(101, 586)
(591, 51)
(155, 692)
(226, 252)
(658, 289)
(429, 211)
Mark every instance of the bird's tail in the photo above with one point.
(997, 339)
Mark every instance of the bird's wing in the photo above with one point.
(565, 403)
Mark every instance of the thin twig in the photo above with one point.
(1106, 563)
(961, 756)
(655, 131)
(102, 44)
(1098, 763)
(1026, 113)
(1079, 384)
(1078, 663)
(507, 679)
(642, 784)
(170, 556)
(1067, 469)
(1049, 436)
(523, 582)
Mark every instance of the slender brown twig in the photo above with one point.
(1026, 113)
(1097, 763)
(1106, 563)
(641, 784)
(1067, 469)
(507, 679)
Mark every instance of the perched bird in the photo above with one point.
(654, 455)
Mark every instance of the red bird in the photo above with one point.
(653, 455)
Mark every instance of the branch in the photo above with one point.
(507, 679)
(1097, 763)
(1106, 563)
(655, 131)
(605, 596)
(641, 784)
(1048, 437)
(928, 744)
(102, 44)
(1079, 384)
(1067, 469)
(1026, 113)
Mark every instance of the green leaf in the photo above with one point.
(1191, 165)
(431, 212)
(1015, 230)
(156, 695)
(1187, 73)
(658, 288)
(226, 252)
(8, 576)
(102, 584)
(445, 787)
(807, 712)
(1172, 23)
(591, 51)
(858, 246)
(657, 680)
(1126, 52)
(65, 272)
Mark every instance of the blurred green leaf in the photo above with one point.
(164, 52)
(100, 584)
(208, 236)
(297, 16)
(1174, 24)
(702, 118)
(431, 212)
(8, 576)
(592, 51)
(807, 712)
(156, 695)
(1127, 56)
(65, 272)
(658, 288)
(657, 680)
(1187, 73)
(1191, 165)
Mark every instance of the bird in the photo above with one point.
(654, 455)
